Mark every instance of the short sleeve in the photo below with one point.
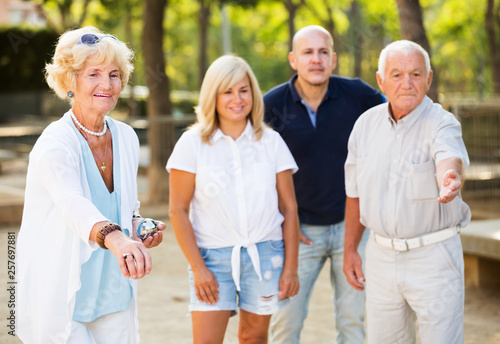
(350, 171)
(284, 158)
(184, 154)
(448, 142)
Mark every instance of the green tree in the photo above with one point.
(63, 14)
(123, 19)
(292, 7)
(361, 29)
(204, 21)
(204, 13)
(161, 138)
(462, 46)
(348, 38)
(324, 11)
(412, 28)
(493, 30)
(263, 41)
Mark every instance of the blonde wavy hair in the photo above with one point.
(71, 58)
(223, 74)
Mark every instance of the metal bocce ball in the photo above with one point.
(146, 228)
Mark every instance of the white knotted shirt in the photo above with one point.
(235, 202)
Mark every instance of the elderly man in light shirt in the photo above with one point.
(404, 172)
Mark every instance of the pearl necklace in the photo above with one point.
(87, 130)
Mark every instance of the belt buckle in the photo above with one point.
(399, 244)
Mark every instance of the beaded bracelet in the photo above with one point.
(105, 230)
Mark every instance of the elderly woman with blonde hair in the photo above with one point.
(233, 208)
(79, 252)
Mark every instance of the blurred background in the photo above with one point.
(174, 43)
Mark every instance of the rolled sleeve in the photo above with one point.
(351, 182)
(448, 142)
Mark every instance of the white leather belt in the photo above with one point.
(420, 241)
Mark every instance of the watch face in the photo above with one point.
(147, 227)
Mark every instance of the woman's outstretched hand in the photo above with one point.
(133, 257)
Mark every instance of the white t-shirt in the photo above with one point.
(235, 202)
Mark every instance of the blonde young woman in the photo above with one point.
(233, 208)
(78, 253)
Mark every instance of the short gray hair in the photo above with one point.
(405, 47)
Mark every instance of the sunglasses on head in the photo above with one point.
(91, 39)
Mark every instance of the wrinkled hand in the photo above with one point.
(353, 271)
(151, 241)
(206, 286)
(289, 284)
(138, 262)
(450, 188)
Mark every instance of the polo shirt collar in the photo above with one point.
(412, 117)
(331, 92)
(248, 132)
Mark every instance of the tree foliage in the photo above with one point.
(493, 32)
(64, 14)
(412, 28)
(459, 43)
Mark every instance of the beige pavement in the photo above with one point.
(163, 295)
(163, 299)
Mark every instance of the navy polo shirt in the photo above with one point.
(320, 151)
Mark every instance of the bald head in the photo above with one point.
(310, 30)
(312, 57)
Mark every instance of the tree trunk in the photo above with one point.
(161, 138)
(491, 29)
(292, 10)
(83, 16)
(226, 29)
(64, 11)
(356, 38)
(132, 102)
(204, 19)
(412, 29)
(329, 24)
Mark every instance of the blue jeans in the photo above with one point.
(348, 303)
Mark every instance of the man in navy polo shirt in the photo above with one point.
(315, 112)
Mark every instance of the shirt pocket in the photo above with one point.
(423, 185)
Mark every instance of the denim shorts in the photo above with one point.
(258, 297)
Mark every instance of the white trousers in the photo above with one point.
(113, 328)
(426, 284)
